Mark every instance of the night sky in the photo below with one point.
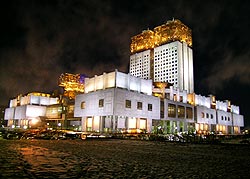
(39, 40)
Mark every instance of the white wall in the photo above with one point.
(114, 104)
(92, 103)
(220, 105)
(121, 110)
(118, 79)
(20, 112)
(227, 118)
(238, 120)
(35, 111)
(235, 109)
(211, 115)
(202, 101)
(9, 113)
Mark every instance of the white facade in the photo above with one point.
(116, 109)
(33, 98)
(140, 64)
(222, 118)
(104, 107)
(124, 104)
(25, 109)
(118, 80)
(172, 63)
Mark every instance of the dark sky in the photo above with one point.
(39, 40)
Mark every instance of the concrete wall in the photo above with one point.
(205, 115)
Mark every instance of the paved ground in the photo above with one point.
(121, 159)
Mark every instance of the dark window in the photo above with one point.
(101, 103)
(181, 98)
(162, 109)
(139, 105)
(150, 107)
(189, 113)
(207, 115)
(211, 116)
(128, 104)
(202, 115)
(228, 118)
(171, 110)
(222, 118)
(83, 105)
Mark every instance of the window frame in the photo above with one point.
(83, 105)
(150, 107)
(128, 103)
(101, 103)
(139, 105)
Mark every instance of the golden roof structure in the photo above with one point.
(72, 84)
(171, 31)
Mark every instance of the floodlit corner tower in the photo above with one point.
(72, 84)
(164, 55)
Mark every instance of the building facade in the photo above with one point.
(117, 102)
(156, 96)
(164, 55)
(26, 111)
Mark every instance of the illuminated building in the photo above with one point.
(117, 102)
(27, 110)
(61, 116)
(164, 55)
(156, 96)
(215, 116)
(72, 83)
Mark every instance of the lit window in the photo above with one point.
(171, 110)
(128, 103)
(101, 103)
(83, 105)
(181, 111)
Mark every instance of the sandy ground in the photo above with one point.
(121, 159)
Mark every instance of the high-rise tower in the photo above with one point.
(164, 55)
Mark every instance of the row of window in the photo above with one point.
(166, 72)
(127, 104)
(225, 118)
(165, 53)
(212, 116)
(167, 50)
(164, 63)
(166, 57)
(207, 115)
(181, 112)
(141, 57)
(139, 105)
